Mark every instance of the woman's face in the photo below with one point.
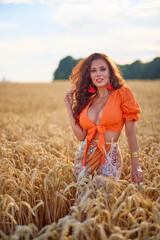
(99, 73)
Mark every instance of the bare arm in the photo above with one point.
(136, 172)
(77, 129)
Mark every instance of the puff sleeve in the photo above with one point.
(129, 105)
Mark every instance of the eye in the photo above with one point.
(93, 70)
(103, 69)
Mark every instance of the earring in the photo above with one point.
(91, 90)
(110, 87)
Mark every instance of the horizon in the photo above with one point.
(36, 34)
(52, 80)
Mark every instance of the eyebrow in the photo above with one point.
(100, 67)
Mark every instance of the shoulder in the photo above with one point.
(125, 93)
(124, 90)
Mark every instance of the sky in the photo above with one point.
(36, 34)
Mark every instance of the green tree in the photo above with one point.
(65, 68)
(136, 70)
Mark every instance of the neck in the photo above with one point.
(102, 93)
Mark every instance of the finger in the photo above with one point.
(66, 99)
(140, 177)
(140, 173)
(135, 179)
(138, 181)
(69, 94)
(132, 178)
(71, 91)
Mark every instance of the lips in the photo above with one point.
(99, 80)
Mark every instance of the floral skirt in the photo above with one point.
(111, 167)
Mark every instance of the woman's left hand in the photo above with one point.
(136, 174)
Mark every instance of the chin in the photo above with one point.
(101, 85)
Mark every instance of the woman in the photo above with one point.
(99, 105)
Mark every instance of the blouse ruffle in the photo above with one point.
(129, 105)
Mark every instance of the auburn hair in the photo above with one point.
(81, 80)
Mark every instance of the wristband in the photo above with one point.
(134, 154)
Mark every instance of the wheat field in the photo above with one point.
(39, 198)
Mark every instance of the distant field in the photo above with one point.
(38, 195)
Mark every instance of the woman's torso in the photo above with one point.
(94, 113)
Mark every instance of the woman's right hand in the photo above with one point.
(69, 98)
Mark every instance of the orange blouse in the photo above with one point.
(121, 106)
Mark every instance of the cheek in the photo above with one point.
(92, 75)
(106, 74)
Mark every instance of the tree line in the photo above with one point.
(135, 70)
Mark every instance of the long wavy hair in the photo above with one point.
(81, 80)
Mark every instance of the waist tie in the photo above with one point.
(101, 143)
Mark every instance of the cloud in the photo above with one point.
(120, 42)
(125, 30)
(45, 2)
(7, 25)
(86, 14)
(91, 14)
(95, 11)
(25, 47)
(144, 9)
(16, 1)
(36, 58)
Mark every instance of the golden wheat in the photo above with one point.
(39, 198)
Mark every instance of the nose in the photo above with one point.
(98, 73)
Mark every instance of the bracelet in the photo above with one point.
(134, 154)
(70, 114)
